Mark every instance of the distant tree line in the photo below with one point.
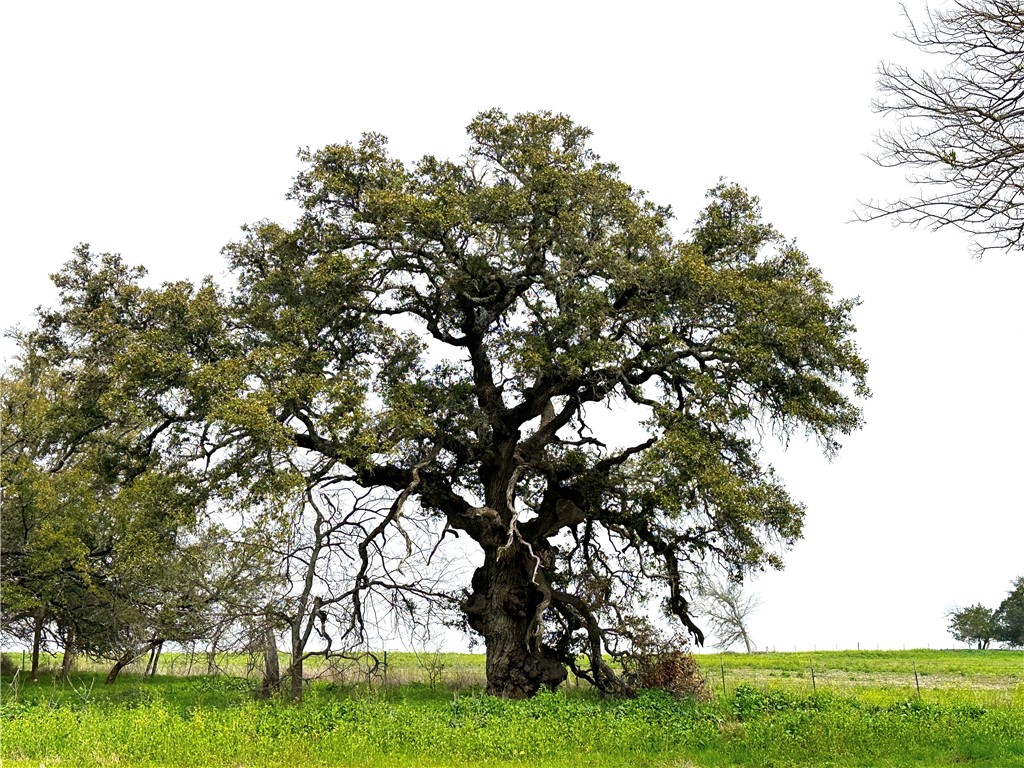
(981, 626)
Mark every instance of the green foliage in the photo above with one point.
(442, 330)
(8, 666)
(1010, 616)
(975, 625)
(547, 283)
(980, 625)
(103, 533)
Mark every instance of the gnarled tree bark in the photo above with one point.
(504, 607)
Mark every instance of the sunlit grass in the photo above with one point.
(216, 721)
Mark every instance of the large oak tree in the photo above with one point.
(456, 332)
(515, 349)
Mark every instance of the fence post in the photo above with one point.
(722, 661)
(814, 684)
(916, 681)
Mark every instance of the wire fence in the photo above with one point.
(915, 672)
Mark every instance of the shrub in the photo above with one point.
(675, 672)
(665, 665)
(8, 666)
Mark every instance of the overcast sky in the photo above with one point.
(156, 130)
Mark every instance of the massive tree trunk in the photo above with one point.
(510, 593)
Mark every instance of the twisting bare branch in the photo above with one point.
(960, 128)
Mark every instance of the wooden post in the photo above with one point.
(722, 661)
(814, 684)
(917, 682)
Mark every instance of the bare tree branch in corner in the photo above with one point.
(959, 130)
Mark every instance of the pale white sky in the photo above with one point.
(155, 130)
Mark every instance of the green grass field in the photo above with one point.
(862, 709)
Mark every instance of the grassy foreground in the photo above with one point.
(215, 721)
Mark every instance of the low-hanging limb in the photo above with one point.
(602, 676)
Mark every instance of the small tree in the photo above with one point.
(1009, 617)
(335, 562)
(975, 625)
(657, 662)
(106, 545)
(959, 127)
(727, 609)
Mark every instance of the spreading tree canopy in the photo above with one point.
(517, 347)
(980, 625)
(105, 547)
